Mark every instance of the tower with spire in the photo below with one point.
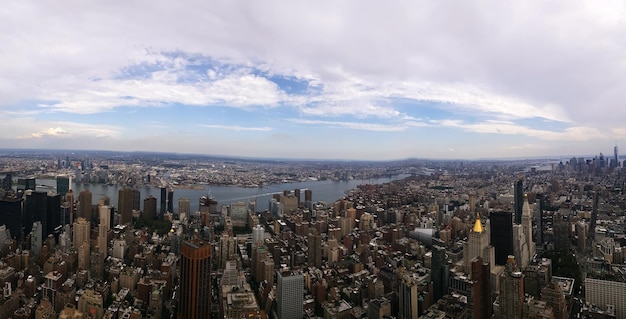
(527, 226)
(478, 245)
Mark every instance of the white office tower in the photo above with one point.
(527, 225)
(290, 296)
(258, 236)
(520, 247)
(478, 245)
(35, 238)
(103, 229)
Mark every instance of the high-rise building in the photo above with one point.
(11, 215)
(290, 295)
(228, 246)
(258, 235)
(163, 206)
(481, 296)
(601, 292)
(84, 205)
(63, 185)
(314, 252)
(91, 303)
(407, 299)
(553, 295)
(82, 236)
(150, 207)
(103, 229)
(170, 200)
(518, 199)
(136, 199)
(125, 205)
(539, 218)
(183, 206)
(501, 235)
(35, 209)
(195, 281)
(439, 272)
(527, 226)
(7, 182)
(53, 211)
(511, 291)
(478, 245)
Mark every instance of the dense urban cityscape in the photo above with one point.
(537, 238)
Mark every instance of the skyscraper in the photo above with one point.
(82, 233)
(103, 229)
(149, 207)
(84, 205)
(501, 235)
(183, 206)
(290, 296)
(511, 291)
(63, 185)
(407, 298)
(11, 215)
(195, 280)
(125, 205)
(518, 199)
(527, 226)
(258, 235)
(477, 245)
(163, 206)
(438, 272)
(481, 296)
(314, 251)
(170, 200)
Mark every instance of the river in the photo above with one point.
(322, 191)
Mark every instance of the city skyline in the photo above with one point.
(342, 81)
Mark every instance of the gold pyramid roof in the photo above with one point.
(478, 226)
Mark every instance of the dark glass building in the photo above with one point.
(501, 235)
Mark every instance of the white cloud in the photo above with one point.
(353, 125)
(238, 128)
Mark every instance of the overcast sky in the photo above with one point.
(371, 80)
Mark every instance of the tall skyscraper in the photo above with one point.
(11, 215)
(125, 205)
(518, 199)
(36, 209)
(481, 275)
(195, 280)
(7, 181)
(149, 207)
(183, 206)
(438, 272)
(527, 226)
(136, 199)
(539, 218)
(615, 157)
(407, 299)
(163, 206)
(63, 185)
(314, 251)
(478, 245)
(84, 204)
(258, 235)
(511, 291)
(290, 295)
(170, 200)
(501, 235)
(54, 214)
(82, 236)
(103, 229)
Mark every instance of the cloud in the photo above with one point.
(575, 133)
(352, 125)
(52, 131)
(238, 128)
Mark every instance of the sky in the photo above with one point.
(351, 80)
